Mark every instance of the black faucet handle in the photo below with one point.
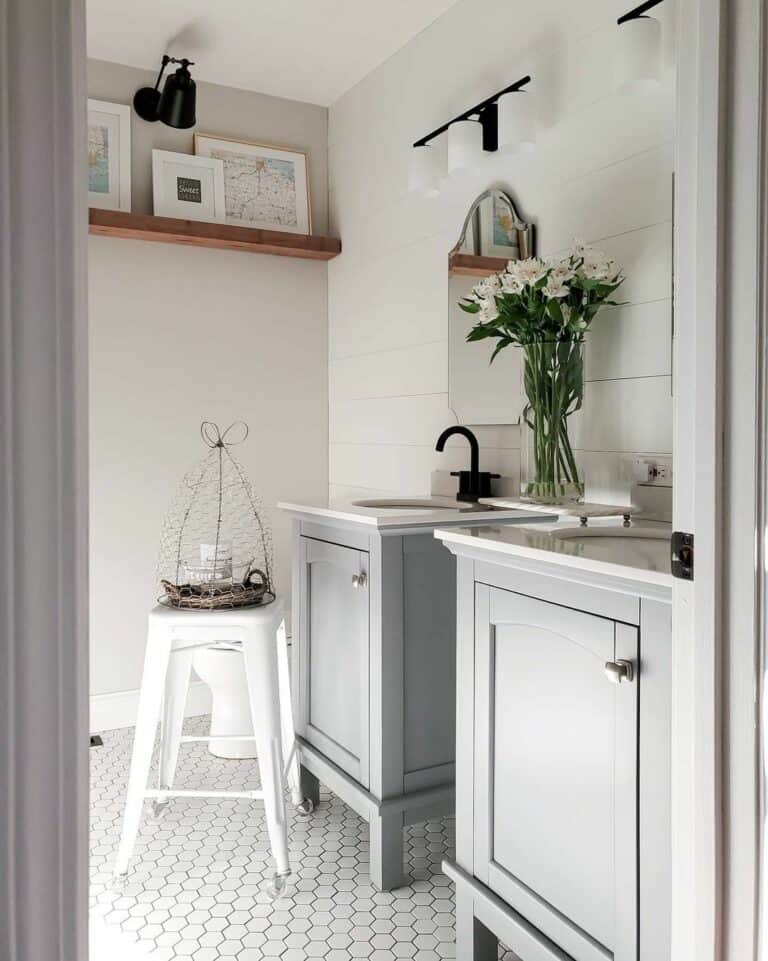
(481, 488)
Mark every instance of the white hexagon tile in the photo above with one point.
(194, 890)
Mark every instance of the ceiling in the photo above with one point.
(312, 50)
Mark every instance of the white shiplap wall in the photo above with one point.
(602, 171)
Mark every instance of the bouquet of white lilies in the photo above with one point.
(537, 300)
(546, 307)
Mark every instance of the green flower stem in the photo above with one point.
(554, 386)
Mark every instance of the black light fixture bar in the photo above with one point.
(639, 11)
(485, 112)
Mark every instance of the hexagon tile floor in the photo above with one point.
(194, 889)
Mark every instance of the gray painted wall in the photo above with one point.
(220, 110)
(179, 335)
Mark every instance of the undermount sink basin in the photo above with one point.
(422, 504)
(609, 535)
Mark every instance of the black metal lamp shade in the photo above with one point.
(176, 105)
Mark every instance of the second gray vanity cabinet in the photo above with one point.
(374, 645)
(334, 656)
(555, 761)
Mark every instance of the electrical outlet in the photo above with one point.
(651, 470)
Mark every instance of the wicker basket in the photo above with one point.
(226, 595)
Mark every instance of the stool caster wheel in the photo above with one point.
(159, 809)
(119, 881)
(305, 807)
(278, 887)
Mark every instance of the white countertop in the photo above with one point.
(632, 557)
(449, 512)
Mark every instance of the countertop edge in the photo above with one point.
(394, 521)
(659, 582)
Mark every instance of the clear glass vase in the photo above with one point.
(553, 380)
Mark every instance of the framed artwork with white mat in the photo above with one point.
(109, 155)
(264, 186)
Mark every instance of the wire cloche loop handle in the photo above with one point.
(213, 437)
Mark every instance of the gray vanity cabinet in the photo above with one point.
(374, 662)
(334, 657)
(563, 847)
(555, 771)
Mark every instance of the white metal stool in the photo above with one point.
(173, 635)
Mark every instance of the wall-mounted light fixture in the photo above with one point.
(637, 53)
(175, 106)
(495, 122)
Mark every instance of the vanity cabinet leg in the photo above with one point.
(310, 786)
(474, 942)
(386, 851)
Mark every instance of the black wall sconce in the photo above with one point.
(175, 106)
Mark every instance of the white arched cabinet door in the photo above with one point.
(556, 827)
(334, 654)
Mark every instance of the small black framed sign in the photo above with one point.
(188, 187)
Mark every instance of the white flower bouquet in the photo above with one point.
(546, 307)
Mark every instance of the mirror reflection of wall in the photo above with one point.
(481, 392)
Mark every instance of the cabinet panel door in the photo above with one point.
(556, 771)
(334, 655)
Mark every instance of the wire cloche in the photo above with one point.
(216, 542)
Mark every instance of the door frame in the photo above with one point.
(43, 482)
(720, 465)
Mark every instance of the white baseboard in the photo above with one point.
(111, 711)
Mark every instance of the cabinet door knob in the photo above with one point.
(618, 671)
(359, 580)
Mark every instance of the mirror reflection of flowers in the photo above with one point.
(546, 307)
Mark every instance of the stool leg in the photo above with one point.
(174, 701)
(150, 699)
(290, 757)
(260, 653)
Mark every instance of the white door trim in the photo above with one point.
(743, 360)
(43, 482)
(697, 458)
(720, 305)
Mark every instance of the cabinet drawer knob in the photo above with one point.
(618, 671)
(359, 580)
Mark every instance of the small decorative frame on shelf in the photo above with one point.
(187, 187)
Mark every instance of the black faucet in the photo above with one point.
(473, 483)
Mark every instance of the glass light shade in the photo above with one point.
(517, 121)
(637, 55)
(426, 168)
(465, 144)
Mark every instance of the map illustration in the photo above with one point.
(259, 190)
(98, 159)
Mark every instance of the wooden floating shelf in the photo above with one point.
(168, 230)
(470, 265)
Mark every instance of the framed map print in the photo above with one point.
(109, 155)
(187, 187)
(264, 186)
